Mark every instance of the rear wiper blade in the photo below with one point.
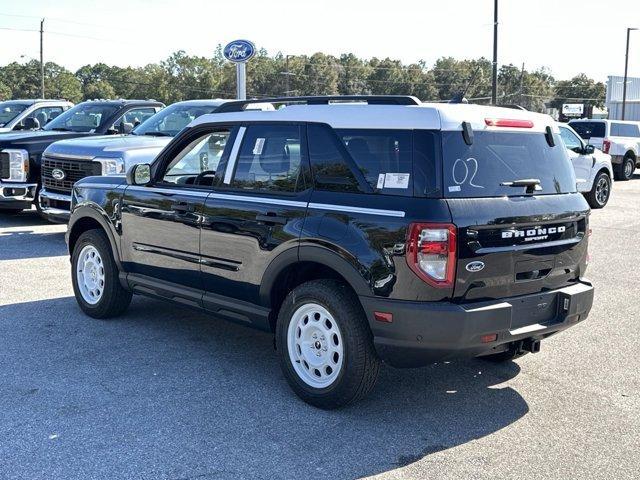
(532, 184)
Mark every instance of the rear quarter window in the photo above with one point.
(386, 162)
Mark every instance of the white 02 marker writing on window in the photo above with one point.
(470, 171)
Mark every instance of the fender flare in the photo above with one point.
(316, 254)
(93, 211)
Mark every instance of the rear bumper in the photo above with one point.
(55, 206)
(17, 195)
(425, 332)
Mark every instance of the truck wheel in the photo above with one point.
(95, 277)
(600, 192)
(325, 345)
(625, 170)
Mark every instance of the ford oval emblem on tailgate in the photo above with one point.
(58, 174)
(475, 266)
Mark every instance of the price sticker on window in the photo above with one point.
(396, 180)
(259, 145)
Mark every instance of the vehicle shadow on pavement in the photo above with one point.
(164, 392)
(19, 244)
(22, 241)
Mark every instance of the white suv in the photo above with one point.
(618, 138)
(593, 169)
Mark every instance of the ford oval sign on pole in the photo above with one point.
(238, 52)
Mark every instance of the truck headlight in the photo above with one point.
(18, 165)
(111, 166)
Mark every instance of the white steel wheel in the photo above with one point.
(315, 345)
(90, 274)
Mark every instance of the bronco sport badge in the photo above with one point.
(536, 233)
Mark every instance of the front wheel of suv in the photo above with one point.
(325, 345)
(94, 275)
(600, 192)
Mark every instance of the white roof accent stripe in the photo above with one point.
(428, 116)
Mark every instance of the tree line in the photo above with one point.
(184, 77)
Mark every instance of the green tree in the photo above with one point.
(579, 89)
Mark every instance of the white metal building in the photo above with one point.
(614, 98)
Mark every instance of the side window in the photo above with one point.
(384, 157)
(138, 115)
(329, 166)
(569, 139)
(625, 130)
(269, 159)
(45, 114)
(201, 155)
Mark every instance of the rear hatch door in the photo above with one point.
(513, 240)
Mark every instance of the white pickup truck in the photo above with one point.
(618, 138)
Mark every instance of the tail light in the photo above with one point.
(431, 252)
(606, 145)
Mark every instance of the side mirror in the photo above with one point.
(31, 123)
(139, 174)
(124, 127)
(588, 149)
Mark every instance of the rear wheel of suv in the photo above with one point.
(95, 277)
(600, 192)
(626, 168)
(325, 345)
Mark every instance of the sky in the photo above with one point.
(566, 36)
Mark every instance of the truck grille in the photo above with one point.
(4, 165)
(74, 170)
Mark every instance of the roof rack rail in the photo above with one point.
(238, 105)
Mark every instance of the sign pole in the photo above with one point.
(240, 52)
(241, 81)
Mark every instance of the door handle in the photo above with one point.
(183, 207)
(272, 218)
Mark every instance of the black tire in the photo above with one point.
(114, 299)
(625, 170)
(600, 192)
(360, 364)
(511, 353)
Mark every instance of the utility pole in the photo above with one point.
(41, 59)
(521, 80)
(287, 75)
(626, 69)
(494, 79)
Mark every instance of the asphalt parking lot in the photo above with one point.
(166, 393)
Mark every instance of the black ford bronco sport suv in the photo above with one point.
(381, 230)
(21, 159)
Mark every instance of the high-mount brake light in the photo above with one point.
(508, 122)
(431, 252)
(606, 146)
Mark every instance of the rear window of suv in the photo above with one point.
(589, 129)
(477, 170)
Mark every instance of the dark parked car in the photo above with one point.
(394, 231)
(21, 152)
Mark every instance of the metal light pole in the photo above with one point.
(494, 79)
(626, 70)
(41, 59)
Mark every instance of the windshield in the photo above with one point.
(85, 117)
(588, 130)
(477, 170)
(9, 111)
(169, 121)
